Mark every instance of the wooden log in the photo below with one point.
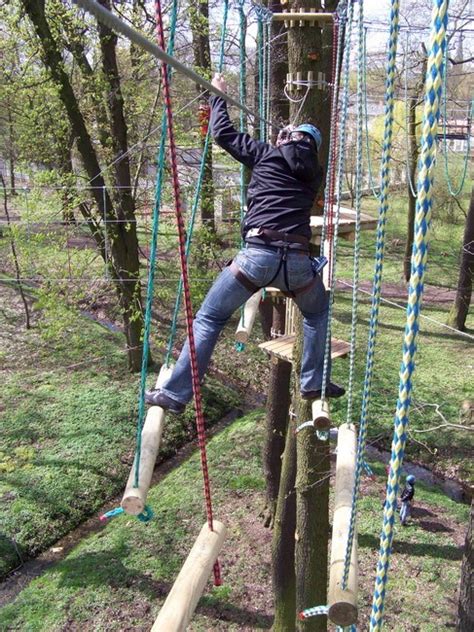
(134, 498)
(183, 598)
(244, 328)
(320, 411)
(343, 603)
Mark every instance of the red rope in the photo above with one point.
(334, 126)
(184, 271)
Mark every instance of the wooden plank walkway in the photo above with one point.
(282, 347)
(346, 226)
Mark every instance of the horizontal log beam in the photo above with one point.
(183, 598)
(343, 603)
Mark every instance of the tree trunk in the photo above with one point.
(121, 222)
(278, 402)
(306, 53)
(125, 248)
(280, 371)
(283, 542)
(11, 149)
(462, 301)
(412, 163)
(199, 19)
(312, 507)
(465, 622)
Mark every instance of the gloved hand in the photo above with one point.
(219, 82)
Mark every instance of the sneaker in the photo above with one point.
(332, 390)
(155, 397)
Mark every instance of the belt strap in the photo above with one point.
(240, 276)
(276, 235)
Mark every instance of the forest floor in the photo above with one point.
(117, 577)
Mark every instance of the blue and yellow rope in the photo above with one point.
(433, 90)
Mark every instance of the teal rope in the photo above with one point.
(243, 128)
(151, 276)
(340, 173)
(355, 284)
(380, 239)
(197, 196)
(357, 206)
(375, 193)
(433, 91)
(341, 20)
(261, 66)
(452, 191)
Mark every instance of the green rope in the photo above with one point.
(355, 283)
(340, 173)
(452, 191)
(197, 196)
(153, 250)
(342, 16)
(375, 193)
(243, 128)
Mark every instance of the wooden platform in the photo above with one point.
(346, 226)
(283, 348)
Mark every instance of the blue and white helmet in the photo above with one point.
(410, 479)
(313, 131)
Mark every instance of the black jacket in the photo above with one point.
(285, 179)
(408, 492)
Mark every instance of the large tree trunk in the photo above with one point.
(462, 301)
(121, 222)
(306, 53)
(125, 248)
(312, 507)
(278, 401)
(199, 18)
(283, 542)
(465, 622)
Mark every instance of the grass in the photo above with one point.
(67, 443)
(116, 579)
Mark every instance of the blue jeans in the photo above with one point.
(227, 294)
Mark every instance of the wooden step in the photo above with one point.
(282, 347)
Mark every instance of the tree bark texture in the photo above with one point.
(310, 49)
(278, 401)
(462, 301)
(121, 222)
(283, 542)
(199, 19)
(312, 507)
(465, 622)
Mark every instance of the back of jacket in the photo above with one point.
(285, 179)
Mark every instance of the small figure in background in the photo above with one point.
(406, 497)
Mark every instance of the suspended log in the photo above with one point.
(343, 603)
(183, 598)
(320, 413)
(134, 498)
(244, 328)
